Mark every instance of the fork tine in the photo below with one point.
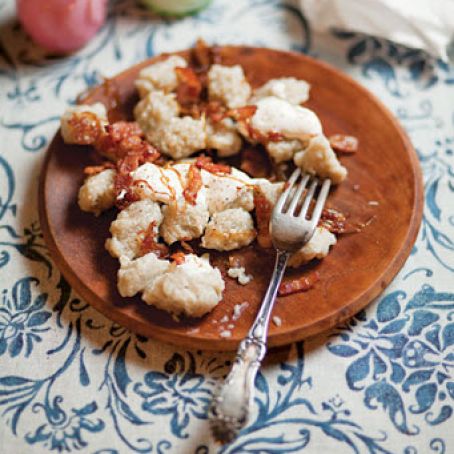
(321, 199)
(308, 198)
(283, 198)
(297, 194)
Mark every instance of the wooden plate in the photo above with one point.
(360, 266)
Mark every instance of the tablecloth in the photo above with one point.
(71, 380)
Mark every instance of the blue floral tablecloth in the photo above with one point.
(70, 380)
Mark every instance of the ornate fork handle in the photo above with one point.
(229, 410)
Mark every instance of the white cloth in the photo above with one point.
(420, 24)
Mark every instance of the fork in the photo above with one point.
(229, 409)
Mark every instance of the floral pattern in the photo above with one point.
(72, 381)
(22, 318)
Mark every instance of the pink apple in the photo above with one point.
(61, 25)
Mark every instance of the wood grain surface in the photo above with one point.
(358, 269)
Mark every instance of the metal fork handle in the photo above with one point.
(229, 410)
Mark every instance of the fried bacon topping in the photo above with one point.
(263, 209)
(149, 243)
(333, 220)
(93, 170)
(189, 88)
(123, 138)
(86, 128)
(194, 184)
(203, 56)
(123, 142)
(242, 113)
(302, 284)
(205, 163)
(344, 144)
(215, 111)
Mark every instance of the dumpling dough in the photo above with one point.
(234, 190)
(274, 115)
(223, 137)
(184, 221)
(271, 191)
(135, 275)
(284, 150)
(228, 85)
(127, 228)
(289, 89)
(192, 288)
(317, 248)
(98, 192)
(179, 137)
(160, 76)
(155, 109)
(229, 229)
(319, 159)
(94, 118)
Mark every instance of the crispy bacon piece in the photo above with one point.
(178, 257)
(263, 210)
(86, 128)
(332, 220)
(205, 163)
(123, 181)
(123, 142)
(302, 284)
(194, 184)
(203, 56)
(215, 111)
(189, 87)
(93, 170)
(255, 162)
(149, 243)
(123, 138)
(242, 113)
(344, 144)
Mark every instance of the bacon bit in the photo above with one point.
(242, 113)
(215, 111)
(302, 284)
(205, 163)
(112, 95)
(149, 243)
(344, 144)
(255, 162)
(332, 220)
(93, 170)
(203, 56)
(178, 257)
(122, 138)
(86, 128)
(274, 137)
(189, 87)
(194, 184)
(187, 247)
(263, 210)
(124, 143)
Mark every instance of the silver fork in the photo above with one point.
(229, 409)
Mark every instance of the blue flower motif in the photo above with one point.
(401, 70)
(62, 432)
(22, 318)
(179, 392)
(401, 353)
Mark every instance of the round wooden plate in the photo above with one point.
(360, 266)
